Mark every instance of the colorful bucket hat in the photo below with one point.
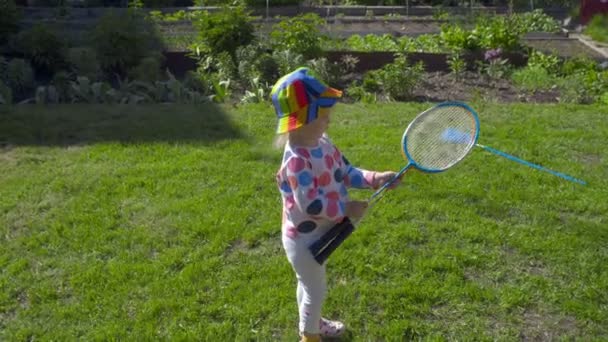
(297, 97)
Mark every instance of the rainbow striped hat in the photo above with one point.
(297, 97)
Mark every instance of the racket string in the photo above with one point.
(426, 143)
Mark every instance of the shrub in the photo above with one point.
(288, 60)
(584, 87)
(83, 61)
(358, 93)
(224, 31)
(255, 62)
(19, 76)
(498, 32)
(532, 78)
(6, 94)
(457, 38)
(540, 60)
(299, 34)
(9, 19)
(457, 64)
(598, 28)
(43, 47)
(398, 79)
(576, 65)
(535, 21)
(122, 40)
(148, 70)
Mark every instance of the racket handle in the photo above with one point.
(375, 197)
(330, 241)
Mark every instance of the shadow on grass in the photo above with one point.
(64, 125)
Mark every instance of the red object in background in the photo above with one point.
(589, 8)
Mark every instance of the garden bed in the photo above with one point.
(442, 86)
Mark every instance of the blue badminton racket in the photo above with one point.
(454, 134)
(424, 145)
(425, 148)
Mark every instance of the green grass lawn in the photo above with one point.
(163, 223)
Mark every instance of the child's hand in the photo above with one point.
(356, 209)
(381, 178)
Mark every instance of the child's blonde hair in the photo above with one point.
(280, 140)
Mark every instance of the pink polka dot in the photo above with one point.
(334, 195)
(289, 202)
(312, 193)
(295, 164)
(325, 179)
(332, 208)
(291, 232)
(303, 152)
(329, 162)
(337, 155)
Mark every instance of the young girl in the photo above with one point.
(313, 180)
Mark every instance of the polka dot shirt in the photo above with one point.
(313, 182)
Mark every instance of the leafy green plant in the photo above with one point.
(399, 79)
(255, 62)
(597, 28)
(299, 34)
(83, 90)
(533, 77)
(83, 61)
(576, 65)
(45, 49)
(9, 19)
(358, 93)
(6, 94)
(371, 82)
(497, 69)
(3, 64)
(62, 83)
(372, 42)
(221, 65)
(457, 64)
(534, 21)
(122, 40)
(221, 90)
(604, 98)
(148, 69)
(223, 31)
(426, 43)
(497, 32)
(257, 92)
(324, 70)
(544, 61)
(439, 13)
(46, 95)
(19, 75)
(288, 60)
(584, 87)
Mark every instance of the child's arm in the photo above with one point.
(364, 179)
(357, 178)
(299, 180)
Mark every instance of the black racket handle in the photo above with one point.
(324, 240)
(330, 235)
(329, 242)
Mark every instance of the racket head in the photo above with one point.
(440, 137)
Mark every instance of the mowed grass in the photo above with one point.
(163, 223)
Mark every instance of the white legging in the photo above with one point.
(312, 285)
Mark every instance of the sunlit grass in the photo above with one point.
(163, 222)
